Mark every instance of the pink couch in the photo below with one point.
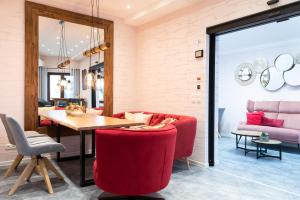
(186, 131)
(289, 111)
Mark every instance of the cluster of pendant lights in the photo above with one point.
(63, 60)
(94, 80)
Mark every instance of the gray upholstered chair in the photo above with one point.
(35, 150)
(32, 136)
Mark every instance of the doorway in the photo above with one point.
(273, 15)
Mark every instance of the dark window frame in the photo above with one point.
(62, 75)
(272, 15)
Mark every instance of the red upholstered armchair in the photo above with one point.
(134, 162)
(186, 131)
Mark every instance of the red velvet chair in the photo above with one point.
(186, 131)
(134, 162)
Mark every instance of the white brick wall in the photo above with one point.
(12, 30)
(157, 75)
(166, 67)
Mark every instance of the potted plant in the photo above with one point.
(264, 136)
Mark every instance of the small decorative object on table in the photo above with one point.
(264, 137)
(75, 110)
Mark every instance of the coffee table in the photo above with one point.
(241, 133)
(265, 144)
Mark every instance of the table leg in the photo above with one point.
(257, 149)
(83, 181)
(280, 151)
(58, 140)
(82, 158)
(93, 144)
(245, 145)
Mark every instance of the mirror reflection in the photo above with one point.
(291, 77)
(67, 75)
(284, 62)
(272, 79)
(245, 74)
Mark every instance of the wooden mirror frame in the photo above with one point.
(32, 13)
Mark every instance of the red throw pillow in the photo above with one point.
(254, 118)
(59, 108)
(272, 122)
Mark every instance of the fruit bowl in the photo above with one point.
(75, 113)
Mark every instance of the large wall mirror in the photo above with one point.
(54, 36)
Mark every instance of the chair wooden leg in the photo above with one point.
(25, 174)
(51, 167)
(187, 163)
(13, 166)
(45, 175)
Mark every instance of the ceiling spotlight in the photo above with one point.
(76, 45)
(51, 53)
(128, 6)
(95, 30)
(71, 49)
(87, 37)
(43, 45)
(48, 49)
(81, 41)
(57, 43)
(57, 37)
(69, 52)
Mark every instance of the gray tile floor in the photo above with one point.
(235, 177)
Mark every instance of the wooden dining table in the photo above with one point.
(82, 124)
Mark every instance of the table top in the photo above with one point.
(247, 133)
(86, 121)
(267, 142)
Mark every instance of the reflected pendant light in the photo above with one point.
(63, 60)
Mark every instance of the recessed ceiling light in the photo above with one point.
(87, 37)
(52, 53)
(69, 52)
(95, 30)
(57, 43)
(43, 45)
(81, 41)
(128, 6)
(57, 37)
(48, 49)
(75, 45)
(71, 49)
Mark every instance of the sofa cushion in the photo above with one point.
(291, 121)
(156, 119)
(282, 134)
(292, 107)
(272, 122)
(139, 117)
(267, 106)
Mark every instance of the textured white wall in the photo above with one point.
(166, 67)
(12, 36)
(160, 76)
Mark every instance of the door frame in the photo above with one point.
(280, 13)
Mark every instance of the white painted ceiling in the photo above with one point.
(133, 12)
(77, 38)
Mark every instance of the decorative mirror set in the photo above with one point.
(286, 70)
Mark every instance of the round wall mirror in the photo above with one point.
(291, 77)
(272, 79)
(284, 62)
(245, 74)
